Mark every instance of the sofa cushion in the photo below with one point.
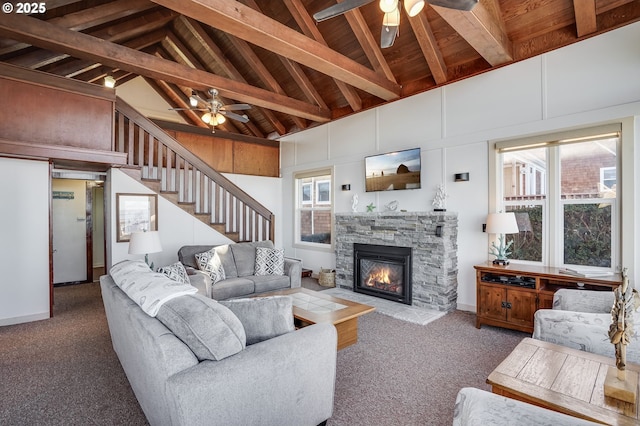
(265, 283)
(176, 272)
(150, 290)
(232, 287)
(269, 261)
(210, 263)
(210, 330)
(263, 317)
(244, 255)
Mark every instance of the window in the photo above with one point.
(562, 189)
(314, 208)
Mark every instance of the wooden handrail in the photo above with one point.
(189, 166)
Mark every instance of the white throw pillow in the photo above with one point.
(176, 272)
(210, 262)
(269, 261)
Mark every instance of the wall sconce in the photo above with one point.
(461, 177)
(346, 187)
(109, 82)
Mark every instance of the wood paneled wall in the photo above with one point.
(247, 157)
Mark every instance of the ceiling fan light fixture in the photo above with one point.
(218, 119)
(193, 101)
(391, 19)
(109, 82)
(413, 7)
(388, 6)
(206, 117)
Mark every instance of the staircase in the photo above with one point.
(169, 169)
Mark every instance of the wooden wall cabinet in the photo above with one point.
(508, 296)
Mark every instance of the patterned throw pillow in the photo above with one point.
(210, 262)
(176, 272)
(269, 261)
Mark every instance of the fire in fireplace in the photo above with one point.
(383, 271)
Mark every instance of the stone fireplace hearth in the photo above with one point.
(432, 237)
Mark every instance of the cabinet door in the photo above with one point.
(522, 307)
(490, 302)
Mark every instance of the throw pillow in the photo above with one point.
(210, 262)
(211, 331)
(269, 261)
(263, 317)
(176, 272)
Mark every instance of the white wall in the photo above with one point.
(177, 228)
(24, 241)
(587, 83)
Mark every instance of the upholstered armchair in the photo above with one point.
(580, 319)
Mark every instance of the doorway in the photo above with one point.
(77, 218)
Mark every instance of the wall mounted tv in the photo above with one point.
(393, 170)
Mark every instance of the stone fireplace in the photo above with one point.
(431, 238)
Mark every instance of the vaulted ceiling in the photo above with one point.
(295, 73)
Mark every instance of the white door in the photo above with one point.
(69, 230)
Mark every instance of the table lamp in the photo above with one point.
(501, 223)
(145, 243)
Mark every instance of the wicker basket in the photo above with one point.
(327, 277)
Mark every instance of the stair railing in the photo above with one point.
(181, 173)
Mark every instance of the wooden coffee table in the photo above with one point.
(562, 379)
(312, 307)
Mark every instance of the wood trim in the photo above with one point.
(179, 127)
(40, 78)
(51, 301)
(60, 152)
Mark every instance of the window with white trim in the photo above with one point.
(314, 208)
(562, 188)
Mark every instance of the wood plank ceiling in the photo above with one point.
(271, 54)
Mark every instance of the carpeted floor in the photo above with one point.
(63, 371)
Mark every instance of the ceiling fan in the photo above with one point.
(215, 111)
(391, 9)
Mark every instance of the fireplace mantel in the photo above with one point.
(431, 235)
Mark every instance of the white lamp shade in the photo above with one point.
(388, 5)
(109, 82)
(207, 117)
(502, 223)
(193, 101)
(413, 7)
(145, 242)
(391, 19)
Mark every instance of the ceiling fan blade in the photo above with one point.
(454, 4)
(234, 116)
(236, 107)
(388, 35)
(188, 109)
(339, 9)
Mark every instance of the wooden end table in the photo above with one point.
(312, 307)
(562, 379)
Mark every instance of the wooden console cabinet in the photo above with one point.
(508, 296)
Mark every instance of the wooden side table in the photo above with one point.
(562, 379)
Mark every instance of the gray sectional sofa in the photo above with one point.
(284, 380)
(240, 280)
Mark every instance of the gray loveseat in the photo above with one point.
(238, 261)
(283, 380)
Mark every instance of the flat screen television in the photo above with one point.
(393, 170)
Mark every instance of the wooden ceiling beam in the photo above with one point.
(481, 30)
(83, 46)
(116, 33)
(243, 22)
(429, 46)
(370, 44)
(585, 11)
(253, 61)
(308, 27)
(230, 70)
(295, 71)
